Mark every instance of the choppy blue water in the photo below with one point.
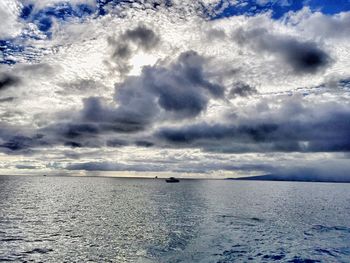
(66, 219)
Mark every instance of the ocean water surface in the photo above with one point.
(96, 219)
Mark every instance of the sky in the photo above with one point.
(200, 88)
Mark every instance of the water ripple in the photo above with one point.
(64, 219)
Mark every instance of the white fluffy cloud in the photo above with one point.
(9, 12)
(46, 3)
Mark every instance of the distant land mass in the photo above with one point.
(298, 178)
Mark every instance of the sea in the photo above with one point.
(99, 219)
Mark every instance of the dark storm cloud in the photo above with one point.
(141, 35)
(122, 51)
(180, 90)
(295, 126)
(121, 119)
(72, 131)
(302, 56)
(19, 140)
(73, 144)
(241, 89)
(7, 99)
(123, 47)
(344, 83)
(291, 130)
(17, 143)
(205, 133)
(8, 80)
(21, 166)
(77, 134)
(144, 143)
(115, 143)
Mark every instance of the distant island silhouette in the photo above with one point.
(297, 178)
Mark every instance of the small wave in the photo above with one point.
(30, 208)
(6, 259)
(325, 251)
(74, 236)
(238, 245)
(233, 252)
(255, 219)
(230, 254)
(307, 233)
(303, 260)
(11, 239)
(224, 216)
(39, 251)
(322, 228)
(274, 257)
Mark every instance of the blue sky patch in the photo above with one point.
(59, 12)
(278, 8)
(8, 49)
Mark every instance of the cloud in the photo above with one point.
(82, 87)
(121, 119)
(17, 143)
(157, 86)
(128, 43)
(107, 166)
(295, 127)
(22, 166)
(167, 166)
(320, 25)
(8, 80)
(215, 34)
(10, 26)
(180, 90)
(76, 135)
(142, 36)
(19, 140)
(302, 56)
(241, 89)
(177, 90)
(7, 99)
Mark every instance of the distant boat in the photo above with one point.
(172, 180)
(44, 175)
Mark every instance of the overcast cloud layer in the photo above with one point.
(201, 88)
